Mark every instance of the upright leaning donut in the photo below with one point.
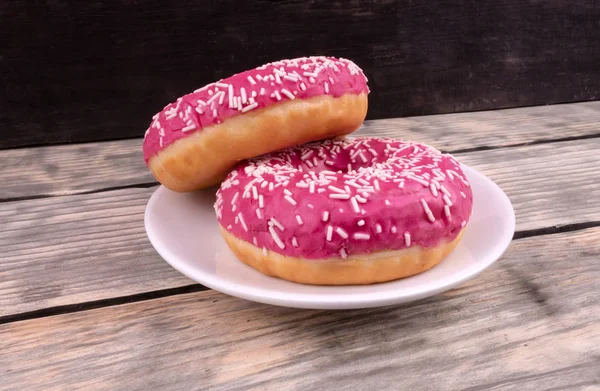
(352, 211)
(194, 142)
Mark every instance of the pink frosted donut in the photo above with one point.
(194, 142)
(351, 211)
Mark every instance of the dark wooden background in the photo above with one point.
(97, 70)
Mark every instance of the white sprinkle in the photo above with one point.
(221, 97)
(234, 208)
(229, 227)
(277, 95)
(433, 190)
(310, 206)
(250, 107)
(287, 192)
(421, 181)
(311, 186)
(463, 224)
(271, 186)
(262, 91)
(277, 224)
(277, 78)
(351, 183)
(463, 195)
(254, 192)
(325, 216)
(188, 128)
(445, 191)
(401, 185)
(339, 196)
(376, 185)
(214, 112)
(287, 93)
(241, 217)
(290, 77)
(199, 110)
(329, 233)
(394, 229)
(354, 205)
(362, 236)
(329, 162)
(299, 220)
(276, 238)
(407, 239)
(255, 241)
(258, 213)
(306, 155)
(311, 74)
(336, 189)
(341, 232)
(235, 197)
(378, 228)
(447, 200)
(447, 212)
(303, 86)
(372, 152)
(388, 203)
(215, 97)
(312, 80)
(343, 253)
(265, 251)
(261, 201)
(294, 241)
(243, 95)
(222, 85)
(326, 87)
(360, 223)
(360, 199)
(302, 185)
(427, 210)
(251, 80)
(341, 210)
(231, 98)
(290, 200)
(321, 190)
(362, 157)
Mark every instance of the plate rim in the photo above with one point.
(323, 300)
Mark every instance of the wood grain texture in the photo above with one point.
(77, 168)
(530, 322)
(73, 249)
(81, 71)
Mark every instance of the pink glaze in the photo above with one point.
(266, 85)
(353, 196)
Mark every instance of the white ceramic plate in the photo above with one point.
(183, 229)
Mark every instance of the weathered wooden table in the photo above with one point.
(86, 303)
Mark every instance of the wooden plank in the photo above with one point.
(72, 169)
(74, 249)
(127, 61)
(530, 322)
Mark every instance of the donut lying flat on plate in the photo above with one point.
(194, 142)
(351, 211)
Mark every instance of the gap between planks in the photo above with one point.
(185, 289)
(529, 320)
(28, 173)
(68, 250)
